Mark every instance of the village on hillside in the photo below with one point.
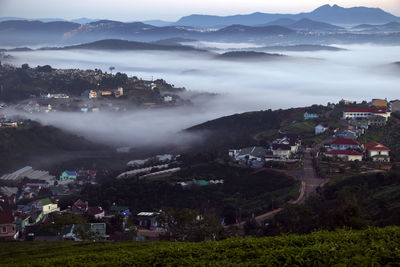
(332, 146)
(339, 139)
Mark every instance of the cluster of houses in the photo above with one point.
(284, 148)
(348, 149)
(93, 94)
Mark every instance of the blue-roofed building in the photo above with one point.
(68, 175)
(310, 116)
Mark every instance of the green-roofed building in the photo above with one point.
(201, 182)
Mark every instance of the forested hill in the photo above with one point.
(371, 247)
(26, 144)
(114, 44)
(357, 202)
(239, 129)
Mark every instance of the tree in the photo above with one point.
(111, 69)
(188, 225)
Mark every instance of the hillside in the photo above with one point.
(342, 248)
(304, 47)
(248, 55)
(26, 144)
(114, 44)
(360, 201)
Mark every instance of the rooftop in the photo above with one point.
(376, 146)
(345, 141)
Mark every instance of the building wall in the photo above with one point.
(50, 208)
(372, 153)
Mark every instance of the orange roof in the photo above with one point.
(379, 102)
(376, 146)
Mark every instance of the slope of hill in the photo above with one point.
(115, 44)
(340, 248)
(247, 30)
(388, 27)
(16, 32)
(311, 25)
(248, 55)
(358, 202)
(20, 147)
(305, 47)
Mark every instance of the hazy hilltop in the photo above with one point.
(115, 44)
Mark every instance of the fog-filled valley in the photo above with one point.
(357, 73)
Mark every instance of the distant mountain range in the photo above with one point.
(328, 14)
(272, 29)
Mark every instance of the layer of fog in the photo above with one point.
(304, 78)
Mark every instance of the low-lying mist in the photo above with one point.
(303, 78)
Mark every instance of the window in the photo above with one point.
(4, 229)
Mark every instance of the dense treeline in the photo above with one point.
(371, 247)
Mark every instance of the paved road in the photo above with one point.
(309, 176)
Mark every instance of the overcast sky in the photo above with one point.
(170, 10)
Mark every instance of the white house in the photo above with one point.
(377, 151)
(319, 129)
(249, 153)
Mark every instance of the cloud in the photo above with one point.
(305, 78)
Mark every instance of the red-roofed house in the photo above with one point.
(344, 143)
(347, 155)
(364, 113)
(8, 229)
(79, 206)
(377, 151)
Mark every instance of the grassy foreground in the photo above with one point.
(371, 247)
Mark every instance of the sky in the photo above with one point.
(169, 10)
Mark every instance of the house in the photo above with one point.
(344, 143)
(347, 155)
(360, 113)
(8, 229)
(46, 206)
(293, 140)
(377, 152)
(79, 207)
(148, 220)
(68, 175)
(281, 150)
(97, 212)
(319, 129)
(249, 154)
(380, 103)
(310, 116)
